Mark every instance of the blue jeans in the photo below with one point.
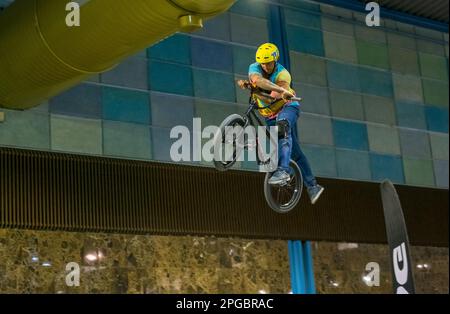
(289, 148)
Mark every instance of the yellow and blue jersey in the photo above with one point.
(278, 75)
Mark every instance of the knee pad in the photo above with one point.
(283, 129)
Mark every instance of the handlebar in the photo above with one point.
(254, 90)
(277, 99)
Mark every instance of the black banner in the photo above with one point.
(397, 235)
(236, 303)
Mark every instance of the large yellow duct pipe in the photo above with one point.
(41, 56)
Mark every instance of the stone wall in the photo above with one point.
(35, 262)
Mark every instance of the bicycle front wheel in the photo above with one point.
(283, 198)
(229, 142)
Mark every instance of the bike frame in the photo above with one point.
(251, 118)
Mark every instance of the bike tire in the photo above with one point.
(229, 121)
(297, 186)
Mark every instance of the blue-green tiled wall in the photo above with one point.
(410, 115)
(375, 99)
(352, 164)
(126, 140)
(125, 105)
(83, 100)
(212, 55)
(387, 167)
(351, 135)
(171, 78)
(176, 48)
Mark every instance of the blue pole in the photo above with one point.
(302, 277)
(309, 269)
(277, 33)
(300, 265)
(293, 270)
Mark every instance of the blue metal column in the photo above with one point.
(277, 32)
(302, 272)
(309, 269)
(296, 260)
(300, 258)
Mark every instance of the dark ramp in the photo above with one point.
(53, 191)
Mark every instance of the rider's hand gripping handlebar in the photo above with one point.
(244, 84)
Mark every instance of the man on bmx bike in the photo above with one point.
(272, 78)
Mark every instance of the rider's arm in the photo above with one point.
(247, 85)
(282, 87)
(282, 84)
(263, 83)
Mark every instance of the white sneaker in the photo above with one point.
(315, 192)
(279, 177)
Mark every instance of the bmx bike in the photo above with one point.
(281, 198)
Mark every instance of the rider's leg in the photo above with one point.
(285, 120)
(299, 157)
(314, 189)
(290, 114)
(279, 176)
(283, 145)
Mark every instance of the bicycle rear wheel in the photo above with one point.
(230, 145)
(283, 198)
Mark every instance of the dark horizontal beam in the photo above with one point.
(54, 191)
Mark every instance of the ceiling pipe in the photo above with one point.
(40, 56)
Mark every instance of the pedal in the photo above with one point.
(287, 181)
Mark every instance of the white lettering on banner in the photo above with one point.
(401, 275)
(401, 290)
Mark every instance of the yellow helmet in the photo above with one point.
(266, 53)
